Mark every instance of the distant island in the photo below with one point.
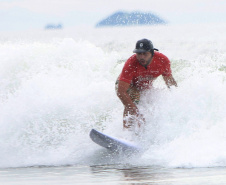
(134, 18)
(53, 26)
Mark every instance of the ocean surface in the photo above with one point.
(56, 85)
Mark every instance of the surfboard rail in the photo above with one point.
(111, 143)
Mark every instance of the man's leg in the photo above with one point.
(128, 119)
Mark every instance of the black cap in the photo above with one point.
(144, 45)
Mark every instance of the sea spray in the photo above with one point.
(186, 124)
(51, 94)
(55, 89)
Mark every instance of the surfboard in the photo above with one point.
(113, 144)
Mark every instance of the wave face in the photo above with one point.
(56, 86)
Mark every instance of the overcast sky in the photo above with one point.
(25, 14)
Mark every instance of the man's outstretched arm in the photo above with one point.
(170, 81)
(130, 106)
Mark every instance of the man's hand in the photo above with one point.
(133, 117)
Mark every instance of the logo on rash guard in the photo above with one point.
(146, 78)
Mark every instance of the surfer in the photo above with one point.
(137, 76)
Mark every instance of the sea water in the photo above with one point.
(55, 86)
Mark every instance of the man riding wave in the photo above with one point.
(137, 76)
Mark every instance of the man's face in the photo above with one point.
(144, 58)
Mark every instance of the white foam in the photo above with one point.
(56, 86)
